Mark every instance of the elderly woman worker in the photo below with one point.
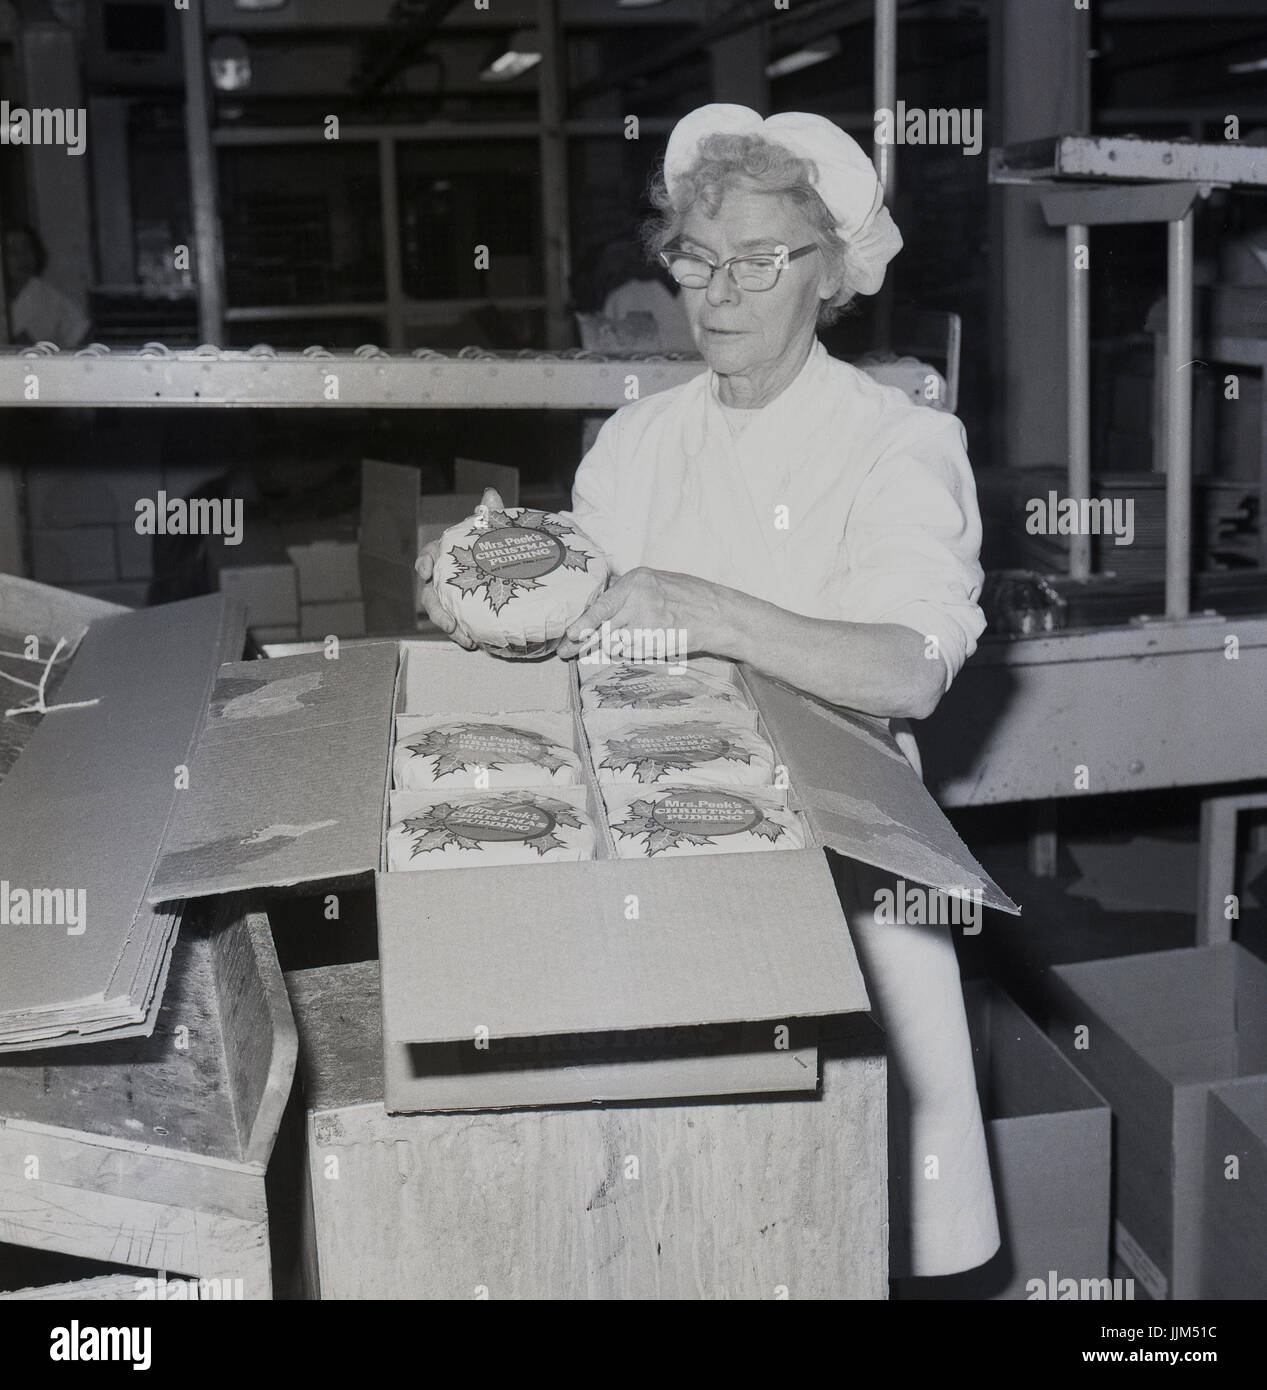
(786, 511)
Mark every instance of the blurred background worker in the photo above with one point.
(38, 311)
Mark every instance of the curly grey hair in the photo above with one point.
(729, 161)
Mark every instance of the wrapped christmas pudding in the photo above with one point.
(515, 579)
(657, 751)
(469, 829)
(651, 685)
(477, 753)
(698, 820)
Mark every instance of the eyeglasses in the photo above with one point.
(755, 273)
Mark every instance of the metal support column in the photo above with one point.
(1178, 399)
(884, 155)
(389, 205)
(11, 519)
(1078, 330)
(208, 261)
(552, 104)
(885, 78)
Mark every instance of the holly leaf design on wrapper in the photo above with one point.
(446, 746)
(499, 590)
(767, 829)
(621, 689)
(563, 816)
(467, 578)
(656, 764)
(642, 822)
(434, 832)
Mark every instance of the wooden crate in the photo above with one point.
(763, 1199)
(152, 1152)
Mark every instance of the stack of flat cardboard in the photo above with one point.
(82, 811)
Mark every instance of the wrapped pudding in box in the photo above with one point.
(477, 752)
(662, 749)
(699, 820)
(652, 685)
(474, 829)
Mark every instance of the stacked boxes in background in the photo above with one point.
(1176, 1042)
(299, 580)
(82, 524)
(328, 578)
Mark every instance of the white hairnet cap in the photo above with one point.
(841, 175)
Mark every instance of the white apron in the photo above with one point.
(841, 500)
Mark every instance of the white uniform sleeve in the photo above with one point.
(594, 490)
(913, 542)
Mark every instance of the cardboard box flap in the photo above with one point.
(288, 781)
(389, 545)
(539, 951)
(861, 796)
(474, 475)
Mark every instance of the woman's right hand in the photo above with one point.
(425, 565)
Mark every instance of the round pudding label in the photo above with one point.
(706, 813)
(518, 552)
(646, 743)
(502, 743)
(514, 822)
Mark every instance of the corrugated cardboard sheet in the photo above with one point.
(707, 946)
(85, 807)
(289, 779)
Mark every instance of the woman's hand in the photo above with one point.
(426, 564)
(677, 610)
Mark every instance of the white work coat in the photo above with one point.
(840, 499)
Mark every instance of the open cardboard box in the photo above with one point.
(710, 988)
(1161, 1029)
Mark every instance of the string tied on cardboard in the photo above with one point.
(38, 705)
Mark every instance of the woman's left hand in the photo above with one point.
(677, 610)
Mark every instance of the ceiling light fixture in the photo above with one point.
(817, 52)
(521, 53)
